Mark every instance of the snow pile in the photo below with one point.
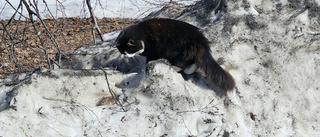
(271, 48)
(63, 103)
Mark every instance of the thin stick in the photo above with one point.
(49, 32)
(111, 91)
(11, 45)
(16, 9)
(30, 12)
(96, 26)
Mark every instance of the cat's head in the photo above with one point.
(130, 42)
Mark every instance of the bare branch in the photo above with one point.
(114, 95)
(49, 32)
(28, 40)
(31, 13)
(16, 10)
(96, 26)
(14, 14)
(11, 45)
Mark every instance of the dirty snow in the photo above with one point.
(273, 54)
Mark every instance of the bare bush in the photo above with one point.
(29, 40)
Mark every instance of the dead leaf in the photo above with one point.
(106, 101)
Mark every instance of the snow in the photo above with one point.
(303, 18)
(276, 68)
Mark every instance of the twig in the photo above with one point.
(202, 110)
(209, 103)
(185, 125)
(114, 96)
(31, 13)
(96, 26)
(75, 104)
(11, 45)
(59, 29)
(49, 32)
(52, 38)
(93, 35)
(14, 14)
(16, 9)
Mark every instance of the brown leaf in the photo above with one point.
(106, 101)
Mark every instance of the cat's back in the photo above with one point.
(171, 32)
(169, 26)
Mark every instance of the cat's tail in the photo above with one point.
(214, 72)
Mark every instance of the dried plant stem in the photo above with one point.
(113, 95)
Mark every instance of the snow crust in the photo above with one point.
(274, 57)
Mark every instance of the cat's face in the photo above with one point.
(129, 42)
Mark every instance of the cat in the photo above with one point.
(182, 44)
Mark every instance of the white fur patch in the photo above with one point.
(129, 55)
(141, 50)
(138, 52)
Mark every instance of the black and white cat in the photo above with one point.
(182, 44)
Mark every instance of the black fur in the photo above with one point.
(180, 43)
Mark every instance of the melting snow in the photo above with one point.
(273, 57)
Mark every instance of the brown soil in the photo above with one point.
(22, 50)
